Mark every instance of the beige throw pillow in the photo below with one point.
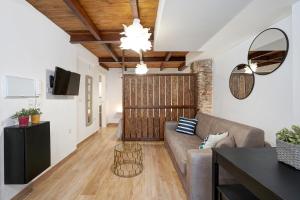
(228, 142)
(213, 140)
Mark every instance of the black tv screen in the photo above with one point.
(74, 81)
(65, 82)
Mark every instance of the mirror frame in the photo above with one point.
(287, 49)
(253, 75)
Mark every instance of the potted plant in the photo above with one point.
(35, 114)
(288, 146)
(22, 116)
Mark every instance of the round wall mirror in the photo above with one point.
(268, 51)
(241, 81)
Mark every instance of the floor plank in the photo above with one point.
(87, 175)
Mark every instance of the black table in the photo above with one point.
(259, 174)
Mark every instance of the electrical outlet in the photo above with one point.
(70, 131)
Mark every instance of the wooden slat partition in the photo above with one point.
(150, 100)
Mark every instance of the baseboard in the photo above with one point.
(23, 193)
(86, 139)
(28, 189)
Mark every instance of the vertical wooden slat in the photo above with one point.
(186, 95)
(145, 111)
(180, 95)
(138, 111)
(150, 103)
(133, 103)
(162, 102)
(126, 94)
(156, 103)
(168, 97)
(174, 98)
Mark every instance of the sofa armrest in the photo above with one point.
(171, 125)
(199, 173)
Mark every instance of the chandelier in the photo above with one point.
(136, 37)
(141, 68)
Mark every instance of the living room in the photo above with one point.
(155, 99)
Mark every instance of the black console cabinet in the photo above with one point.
(26, 152)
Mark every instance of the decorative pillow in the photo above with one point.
(186, 126)
(212, 139)
(226, 142)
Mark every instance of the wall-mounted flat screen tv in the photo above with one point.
(65, 82)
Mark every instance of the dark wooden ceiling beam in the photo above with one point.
(124, 68)
(167, 57)
(78, 10)
(134, 8)
(107, 37)
(182, 67)
(145, 59)
(104, 66)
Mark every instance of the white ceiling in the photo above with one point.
(185, 25)
(210, 25)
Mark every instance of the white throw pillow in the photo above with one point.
(213, 140)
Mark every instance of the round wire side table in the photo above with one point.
(128, 160)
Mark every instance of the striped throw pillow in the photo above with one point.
(186, 126)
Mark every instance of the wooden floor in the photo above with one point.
(87, 175)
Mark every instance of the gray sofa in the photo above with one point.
(193, 165)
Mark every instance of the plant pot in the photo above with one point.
(35, 119)
(288, 153)
(23, 120)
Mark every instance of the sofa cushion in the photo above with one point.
(203, 125)
(212, 140)
(186, 125)
(245, 136)
(226, 142)
(179, 145)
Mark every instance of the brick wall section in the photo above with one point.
(203, 68)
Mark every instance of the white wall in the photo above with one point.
(270, 106)
(113, 95)
(84, 67)
(114, 90)
(296, 61)
(31, 45)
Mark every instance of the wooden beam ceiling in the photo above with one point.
(96, 24)
(78, 10)
(182, 67)
(112, 37)
(168, 56)
(104, 66)
(134, 8)
(145, 59)
(124, 68)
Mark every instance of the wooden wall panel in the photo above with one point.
(162, 102)
(174, 98)
(134, 104)
(180, 95)
(139, 103)
(156, 104)
(150, 104)
(168, 97)
(145, 111)
(150, 100)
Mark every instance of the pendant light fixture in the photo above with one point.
(141, 68)
(136, 37)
